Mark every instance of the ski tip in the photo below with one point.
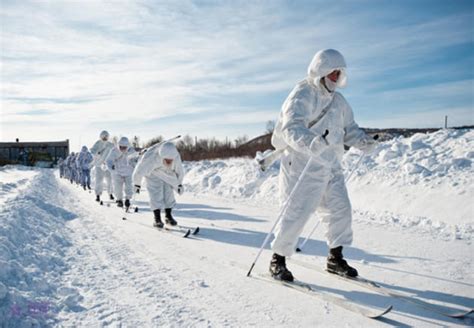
(298, 249)
(378, 315)
(186, 235)
(196, 231)
(461, 314)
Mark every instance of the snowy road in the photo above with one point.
(95, 269)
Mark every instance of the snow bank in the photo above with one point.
(425, 181)
(32, 246)
(14, 179)
(237, 178)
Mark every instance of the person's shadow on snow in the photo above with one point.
(205, 212)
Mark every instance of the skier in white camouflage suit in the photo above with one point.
(84, 161)
(71, 167)
(322, 187)
(163, 171)
(118, 162)
(61, 167)
(101, 150)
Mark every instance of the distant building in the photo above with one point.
(44, 153)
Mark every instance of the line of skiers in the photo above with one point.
(77, 168)
(315, 124)
(123, 169)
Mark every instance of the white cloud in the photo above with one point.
(92, 62)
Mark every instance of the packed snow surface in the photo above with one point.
(67, 261)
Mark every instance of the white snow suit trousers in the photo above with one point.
(100, 175)
(122, 183)
(323, 189)
(161, 194)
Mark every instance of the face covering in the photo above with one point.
(330, 85)
(167, 162)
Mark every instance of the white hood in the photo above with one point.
(168, 150)
(326, 61)
(123, 142)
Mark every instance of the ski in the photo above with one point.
(135, 209)
(176, 229)
(345, 303)
(194, 231)
(374, 286)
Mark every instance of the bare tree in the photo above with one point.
(153, 141)
(136, 142)
(239, 141)
(270, 126)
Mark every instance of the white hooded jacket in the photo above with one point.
(101, 150)
(151, 166)
(118, 162)
(84, 159)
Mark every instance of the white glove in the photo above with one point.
(261, 159)
(180, 189)
(368, 144)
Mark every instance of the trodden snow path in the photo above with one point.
(125, 273)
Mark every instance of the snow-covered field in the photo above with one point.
(66, 261)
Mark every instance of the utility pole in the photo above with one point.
(446, 122)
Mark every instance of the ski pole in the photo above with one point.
(162, 142)
(282, 211)
(356, 166)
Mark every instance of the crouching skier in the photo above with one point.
(121, 169)
(101, 150)
(84, 162)
(313, 108)
(163, 172)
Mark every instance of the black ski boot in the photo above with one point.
(112, 197)
(97, 198)
(169, 218)
(278, 268)
(119, 203)
(158, 223)
(127, 204)
(336, 263)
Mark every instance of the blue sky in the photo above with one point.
(223, 68)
